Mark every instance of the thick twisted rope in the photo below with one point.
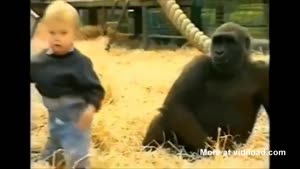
(185, 26)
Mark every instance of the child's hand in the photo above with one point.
(86, 118)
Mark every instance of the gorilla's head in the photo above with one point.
(230, 46)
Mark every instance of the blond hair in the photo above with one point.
(62, 11)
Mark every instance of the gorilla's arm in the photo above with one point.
(185, 89)
(264, 79)
(265, 93)
(186, 127)
(179, 102)
(35, 61)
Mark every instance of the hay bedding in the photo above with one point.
(137, 82)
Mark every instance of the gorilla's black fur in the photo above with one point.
(225, 89)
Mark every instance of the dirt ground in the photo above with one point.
(137, 82)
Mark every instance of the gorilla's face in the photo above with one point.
(229, 50)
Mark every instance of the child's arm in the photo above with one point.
(93, 92)
(35, 60)
(91, 85)
(33, 69)
(32, 65)
(87, 117)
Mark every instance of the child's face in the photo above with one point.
(61, 37)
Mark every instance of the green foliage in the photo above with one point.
(249, 15)
(258, 32)
(208, 16)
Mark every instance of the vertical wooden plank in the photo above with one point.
(138, 21)
(93, 16)
(220, 12)
(196, 13)
(84, 16)
(145, 27)
(266, 13)
(102, 16)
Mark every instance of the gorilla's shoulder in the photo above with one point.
(198, 62)
(260, 68)
(260, 64)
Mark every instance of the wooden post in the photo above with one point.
(145, 27)
(93, 16)
(266, 12)
(220, 12)
(138, 21)
(103, 16)
(84, 16)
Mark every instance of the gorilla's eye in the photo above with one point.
(225, 38)
(229, 39)
(217, 40)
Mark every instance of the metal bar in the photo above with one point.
(125, 7)
(107, 3)
(36, 19)
(166, 36)
(35, 15)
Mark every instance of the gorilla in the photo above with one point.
(224, 90)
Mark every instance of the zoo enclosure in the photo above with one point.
(147, 19)
(97, 11)
(253, 14)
